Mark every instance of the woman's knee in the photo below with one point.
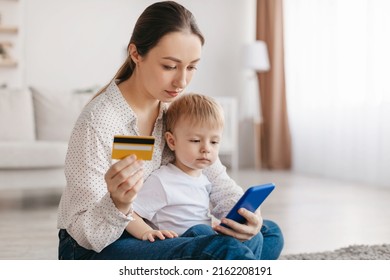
(271, 228)
(273, 240)
(230, 248)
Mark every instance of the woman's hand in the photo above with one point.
(124, 179)
(242, 232)
(160, 234)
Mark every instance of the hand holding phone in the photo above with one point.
(250, 200)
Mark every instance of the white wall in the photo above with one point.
(73, 44)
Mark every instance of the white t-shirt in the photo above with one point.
(173, 200)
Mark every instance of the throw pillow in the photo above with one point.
(16, 115)
(57, 112)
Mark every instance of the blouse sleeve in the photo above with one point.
(89, 214)
(224, 192)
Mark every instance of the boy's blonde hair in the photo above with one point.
(196, 108)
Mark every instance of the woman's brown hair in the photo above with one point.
(156, 21)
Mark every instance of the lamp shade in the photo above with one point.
(255, 56)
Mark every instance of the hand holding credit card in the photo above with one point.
(141, 146)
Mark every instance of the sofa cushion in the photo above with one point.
(16, 115)
(32, 154)
(57, 112)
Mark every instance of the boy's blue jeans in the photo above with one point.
(199, 242)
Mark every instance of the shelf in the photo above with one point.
(8, 63)
(8, 29)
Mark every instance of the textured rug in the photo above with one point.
(354, 252)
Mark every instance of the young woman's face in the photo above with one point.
(195, 147)
(168, 67)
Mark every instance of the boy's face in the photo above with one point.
(195, 147)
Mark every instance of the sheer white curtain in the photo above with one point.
(338, 87)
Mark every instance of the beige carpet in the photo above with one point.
(353, 252)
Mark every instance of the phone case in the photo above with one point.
(250, 200)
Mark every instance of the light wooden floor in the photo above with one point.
(315, 214)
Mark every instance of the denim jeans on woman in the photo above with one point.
(198, 243)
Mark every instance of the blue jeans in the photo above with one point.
(198, 243)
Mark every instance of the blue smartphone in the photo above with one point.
(250, 200)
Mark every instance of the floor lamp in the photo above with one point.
(256, 59)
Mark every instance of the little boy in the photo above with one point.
(176, 196)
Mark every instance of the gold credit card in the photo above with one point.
(141, 146)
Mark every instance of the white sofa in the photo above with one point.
(35, 125)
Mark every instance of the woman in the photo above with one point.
(96, 206)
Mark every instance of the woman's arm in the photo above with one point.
(224, 194)
(87, 209)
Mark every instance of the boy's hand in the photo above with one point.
(160, 234)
